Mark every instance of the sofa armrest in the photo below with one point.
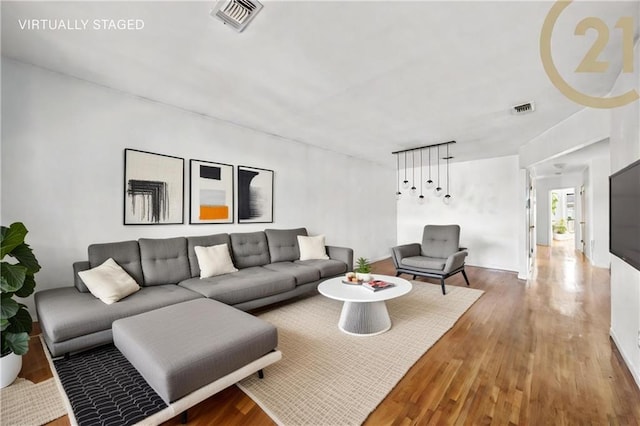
(343, 254)
(77, 281)
(455, 261)
(406, 250)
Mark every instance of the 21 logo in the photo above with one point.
(590, 62)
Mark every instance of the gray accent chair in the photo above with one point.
(439, 255)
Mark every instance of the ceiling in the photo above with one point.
(573, 162)
(360, 78)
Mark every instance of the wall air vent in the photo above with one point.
(236, 13)
(523, 108)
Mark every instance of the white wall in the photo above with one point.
(487, 205)
(598, 212)
(62, 171)
(625, 280)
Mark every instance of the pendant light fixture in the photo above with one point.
(421, 197)
(438, 191)
(405, 183)
(398, 193)
(413, 174)
(447, 198)
(429, 183)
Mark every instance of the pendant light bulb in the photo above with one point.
(447, 199)
(405, 182)
(398, 195)
(429, 184)
(413, 174)
(438, 191)
(421, 199)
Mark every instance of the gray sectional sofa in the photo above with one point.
(269, 271)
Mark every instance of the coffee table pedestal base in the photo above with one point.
(364, 319)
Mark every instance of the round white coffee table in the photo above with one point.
(364, 312)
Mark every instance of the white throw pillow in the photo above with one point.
(312, 247)
(214, 260)
(109, 282)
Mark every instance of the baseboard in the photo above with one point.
(626, 359)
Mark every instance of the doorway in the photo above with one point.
(562, 217)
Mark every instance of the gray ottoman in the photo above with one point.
(181, 348)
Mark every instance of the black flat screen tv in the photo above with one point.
(624, 214)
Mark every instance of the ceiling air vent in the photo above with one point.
(523, 108)
(236, 13)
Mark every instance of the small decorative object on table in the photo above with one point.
(363, 269)
(377, 285)
(351, 279)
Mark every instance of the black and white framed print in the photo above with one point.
(255, 195)
(211, 192)
(153, 188)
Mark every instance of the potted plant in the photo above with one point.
(17, 281)
(560, 230)
(363, 269)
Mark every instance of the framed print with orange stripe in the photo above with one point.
(211, 188)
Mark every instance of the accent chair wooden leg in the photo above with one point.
(414, 277)
(442, 284)
(260, 374)
(398, 274)
(464, 274)
(184, 417)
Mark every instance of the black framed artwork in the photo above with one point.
(255, 195)
(211, 192)
(153, 188)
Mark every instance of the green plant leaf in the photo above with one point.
(21, 322)
(27, 287)
(12, 237)
(12, 277)
(8, 308)
(18, 343)
(25, 256)
(4, 323)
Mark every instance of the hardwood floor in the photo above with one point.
(534, 353)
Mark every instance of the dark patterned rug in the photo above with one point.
(105, 389)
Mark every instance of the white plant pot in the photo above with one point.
(10, 366)
(363, 277)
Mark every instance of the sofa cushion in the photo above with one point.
(90, 315)
(283, 244)
(249, 249)
(422, 262)
(176, 363)
(246, 284)
(125, 253)
(203, 241)
(327, 268)
(312, 247)
(214, 260)
(302, 273)
(109, 282)
(164, 261)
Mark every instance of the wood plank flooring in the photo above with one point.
(533, 353)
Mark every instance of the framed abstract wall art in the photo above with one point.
(211, 189)
(255, 195)
(153, 188)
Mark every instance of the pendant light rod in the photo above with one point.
(422, 147)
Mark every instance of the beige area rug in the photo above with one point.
(327, 377)
(29, 404)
